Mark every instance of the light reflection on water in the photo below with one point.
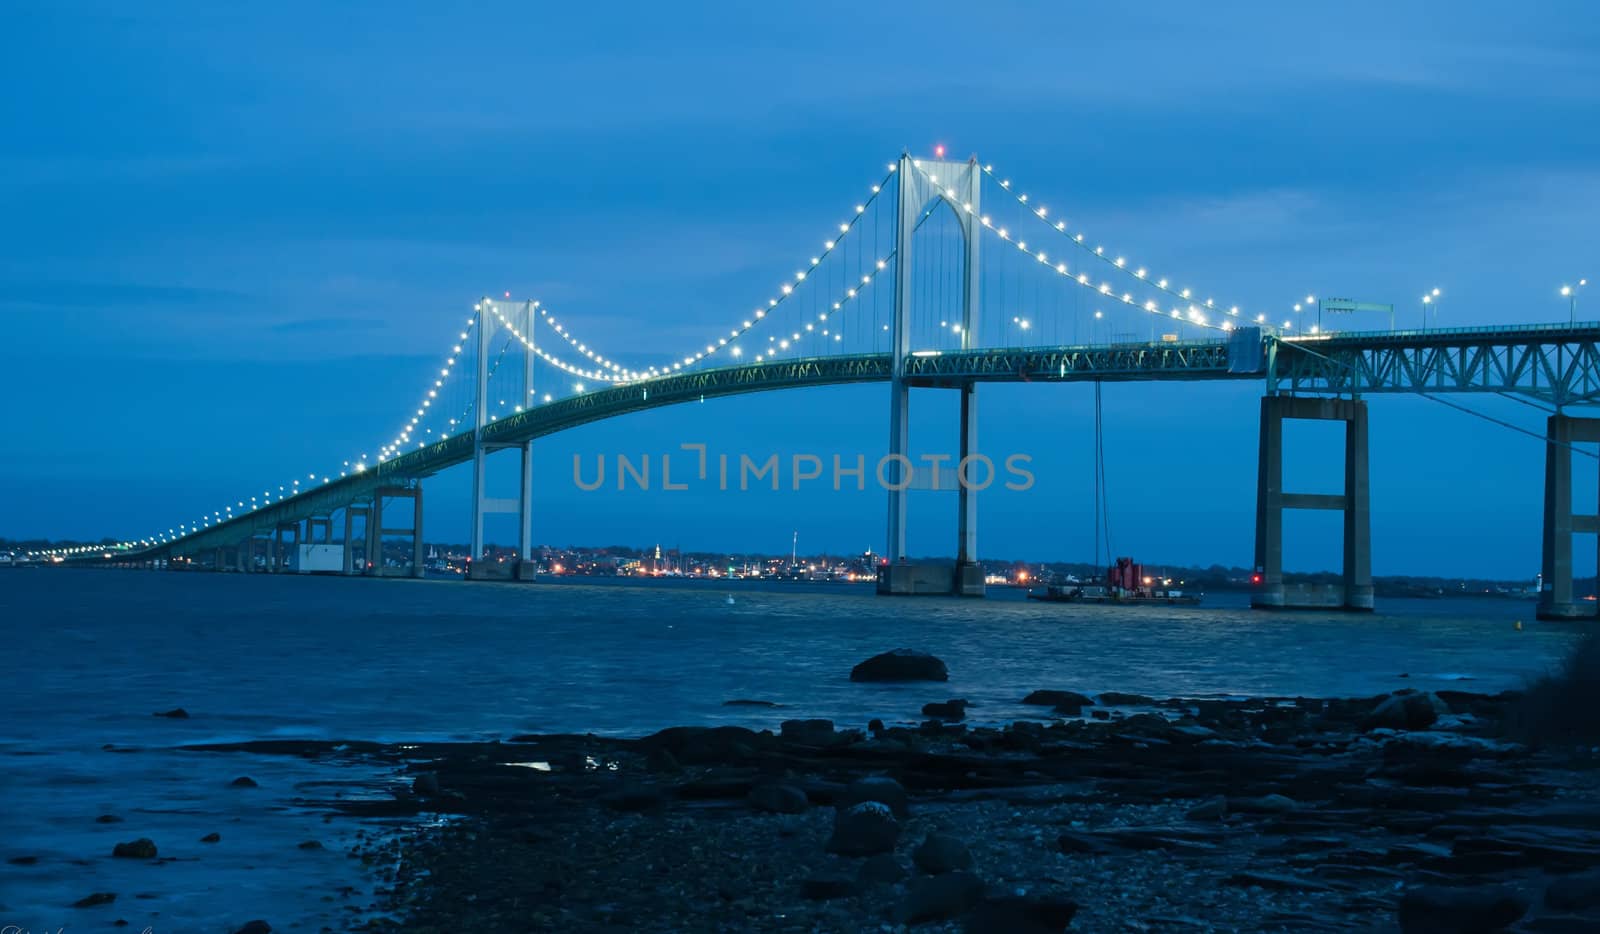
(262, 656)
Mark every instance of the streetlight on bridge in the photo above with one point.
(1570, 293)
(1430, 298)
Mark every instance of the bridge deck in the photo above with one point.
(1554, 364)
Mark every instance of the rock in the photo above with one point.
(1440, 910)
(425, 784)
(809, 732)
(1578, 892)
(98, 898)
(700, 745)
(955, 709)
(142, 848)
(882, 869)
(23, 860)
(1406, 712)
(243, 781)
(1068, 710)
(864, 829)
(936, 898)
(255, 927)
(875, 726)
(1100, 714)
(310, 845)
(108, 819)
(1058, 699)
(901, 665)
(661, 760)
(1020, 915)
(1118, 699)
(779, 799)
(634, 798)
(1211, 809)
(1267, 804)
(1075, 842)
(879, 788)
(741, 702)
(941, 853)
(824, 887)
(211, 838)
(176, 713)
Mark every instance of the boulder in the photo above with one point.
(901, 665)
(701, 745)
(808, 732)
(954, 709)
(882, 869)
(778, 799)
(142, 848)
(634, 798)
(1118, 699)
(23, 860)
(212, 837)
(1021, 915)
(1058, 699)
(1100, 714)
(97, 898)
(1435, 909)
(941, 853)
(875, 726)
(243, 781)
(108, 819)
(879, 788)
(425, 784)
(864, 829)
(309, 845)
(824, 887)
(1266, 804)
(1406, 712)
(176, 713)
(1211, 809)
(255, 927)
(938, 898)
(1579, 892)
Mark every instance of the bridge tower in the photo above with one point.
(1355, 591)
(482, 503)
(959, 184)
(1555, 594)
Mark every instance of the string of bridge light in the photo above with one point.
(759, 314)
(612, 365)
(622, 375)
(404, 437)
(1119, 262)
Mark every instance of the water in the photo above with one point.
(249, 657)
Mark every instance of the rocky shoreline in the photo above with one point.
(1119, 813)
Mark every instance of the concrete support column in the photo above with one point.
(1357, 513)
(1355, 591)
(349, 535)
(374, 543)
(217, 562)
(1557, 599)
(969, 573)
(418, 556)
(1269, 507)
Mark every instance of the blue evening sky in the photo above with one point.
(235, 241)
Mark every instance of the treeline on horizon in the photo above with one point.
(1214, 577)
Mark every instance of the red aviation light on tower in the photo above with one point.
(938, 150)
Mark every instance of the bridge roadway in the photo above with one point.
(1550, 364)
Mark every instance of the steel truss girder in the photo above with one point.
(1559, 366)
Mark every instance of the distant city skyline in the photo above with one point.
(242, 241)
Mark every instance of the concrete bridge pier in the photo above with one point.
(376, 530)
(1556, 598)
(1355, 592)
(352, 564)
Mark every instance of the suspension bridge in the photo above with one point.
(895, 293)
